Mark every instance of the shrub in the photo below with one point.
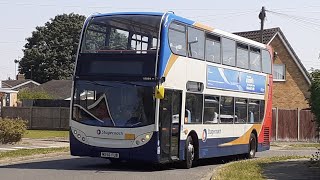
(31, 94)
(11, 130)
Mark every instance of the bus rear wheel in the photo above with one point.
(252, 146)
(189, 153)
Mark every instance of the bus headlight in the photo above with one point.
(147, 136)
(142, 139)
(79, 134)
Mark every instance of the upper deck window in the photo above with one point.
(229, 52)
(242, 56)
(195, 43)
(266, 62)
(122, 33)
(213, 48)
(255, 59)
(177, 39)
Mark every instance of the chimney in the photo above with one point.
(20, 77)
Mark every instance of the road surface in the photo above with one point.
(75, 168)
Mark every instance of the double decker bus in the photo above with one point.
(157, 87)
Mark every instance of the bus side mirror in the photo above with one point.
(159, 92)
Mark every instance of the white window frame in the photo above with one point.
(284, 72)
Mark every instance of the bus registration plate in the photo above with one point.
(109, 154)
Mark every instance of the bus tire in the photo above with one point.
(252, 146)
(189, 153)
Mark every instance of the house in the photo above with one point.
(16, 85)
(9, 90)
(291, 81)
(8, 97)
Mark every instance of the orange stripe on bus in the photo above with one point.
(171, 61)
(203, 26)
(244, 139)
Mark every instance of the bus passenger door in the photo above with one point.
(169, 124)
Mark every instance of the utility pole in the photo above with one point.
(262, 16)
(16, 61)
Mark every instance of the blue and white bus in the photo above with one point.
(156, 87)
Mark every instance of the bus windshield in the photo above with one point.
(113, 104)
(125, 33)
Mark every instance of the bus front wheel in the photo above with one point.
(189, 153)
(252, 146)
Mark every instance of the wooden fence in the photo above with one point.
(40, 117)
(287, 125)
(294, 125)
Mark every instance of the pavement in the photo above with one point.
(27, 143)
(292, 169)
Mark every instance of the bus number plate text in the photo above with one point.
(109, 154)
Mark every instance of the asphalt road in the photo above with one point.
(74, 168)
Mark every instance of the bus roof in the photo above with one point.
(191, 23)
(130, 13)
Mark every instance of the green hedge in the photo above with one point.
(11, 130)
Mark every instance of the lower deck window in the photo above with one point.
(254, 112)
(227, 110)
(193, 110)
(241, 112)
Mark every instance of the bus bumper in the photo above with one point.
(145, 153)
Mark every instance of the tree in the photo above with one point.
(50, 52)
(314, 100)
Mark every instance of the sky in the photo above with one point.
(298, 20)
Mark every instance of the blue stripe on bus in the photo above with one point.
(165, 52)
(261, 147)
(147, 152)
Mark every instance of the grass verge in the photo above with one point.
(30, 152)
(307, 145)
(248, 169)
(45, 134)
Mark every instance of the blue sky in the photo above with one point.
(299, 20)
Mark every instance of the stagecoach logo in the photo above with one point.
(109, 133)
(204, 135)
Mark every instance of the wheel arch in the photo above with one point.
(254, 131)
(195, 140)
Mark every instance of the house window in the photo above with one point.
(279, 72)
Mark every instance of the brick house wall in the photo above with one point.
(293, 92)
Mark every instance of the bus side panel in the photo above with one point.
(146, 153)
(210, 148)
(264, 137)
